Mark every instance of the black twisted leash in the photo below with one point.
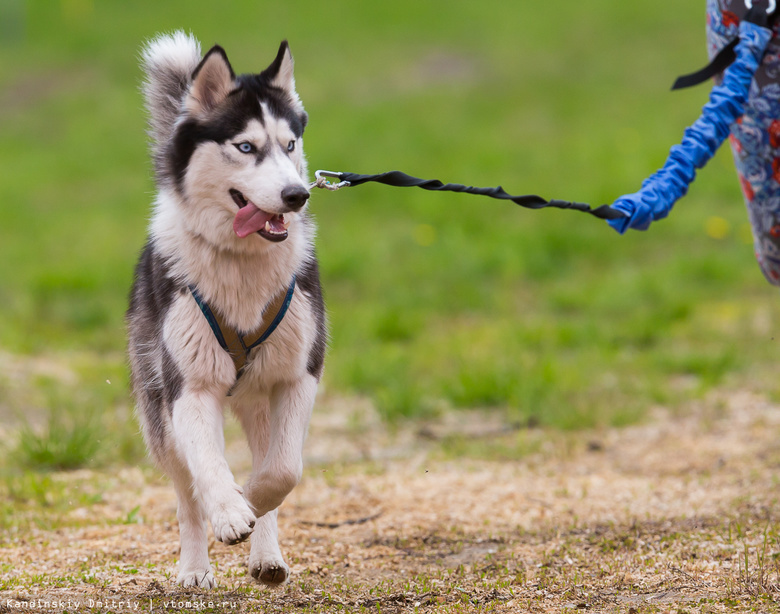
(665, 187)
(402, 180)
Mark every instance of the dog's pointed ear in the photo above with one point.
(280, 72)
(212, 81)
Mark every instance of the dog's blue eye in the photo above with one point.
(245, 147)
(291, 146)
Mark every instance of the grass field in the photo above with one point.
(439, 304)
(436, 301)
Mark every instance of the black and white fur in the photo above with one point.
(220, 141)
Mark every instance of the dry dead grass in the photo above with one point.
(679, 515)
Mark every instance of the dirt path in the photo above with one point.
(677, 515)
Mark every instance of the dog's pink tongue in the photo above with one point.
(249, 219)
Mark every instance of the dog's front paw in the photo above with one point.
(270, 573)
(233, 522)
(200, 578)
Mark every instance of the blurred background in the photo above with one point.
(438, 303)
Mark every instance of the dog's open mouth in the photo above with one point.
(250, 218)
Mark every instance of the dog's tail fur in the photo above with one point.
(168, 61)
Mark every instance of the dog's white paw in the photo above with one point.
(233, 522)
(202, 578)
(270, 573)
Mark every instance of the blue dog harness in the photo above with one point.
(239, 344)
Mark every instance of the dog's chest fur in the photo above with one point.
(239, 286)
(172, 347)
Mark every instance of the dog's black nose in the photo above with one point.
(295, 196)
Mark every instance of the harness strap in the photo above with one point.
(728, 54)
(238, 344)
(719, 63)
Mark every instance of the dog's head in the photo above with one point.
(236, 156)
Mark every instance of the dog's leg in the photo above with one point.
(266, 563)
(282, 466)
(276, 435)
(194, 567)
(197, 430)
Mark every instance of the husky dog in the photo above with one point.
(228, 237)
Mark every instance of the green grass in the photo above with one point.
(62, 444)
(436, 301)
(31, 499)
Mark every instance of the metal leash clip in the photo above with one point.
(322, 182)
